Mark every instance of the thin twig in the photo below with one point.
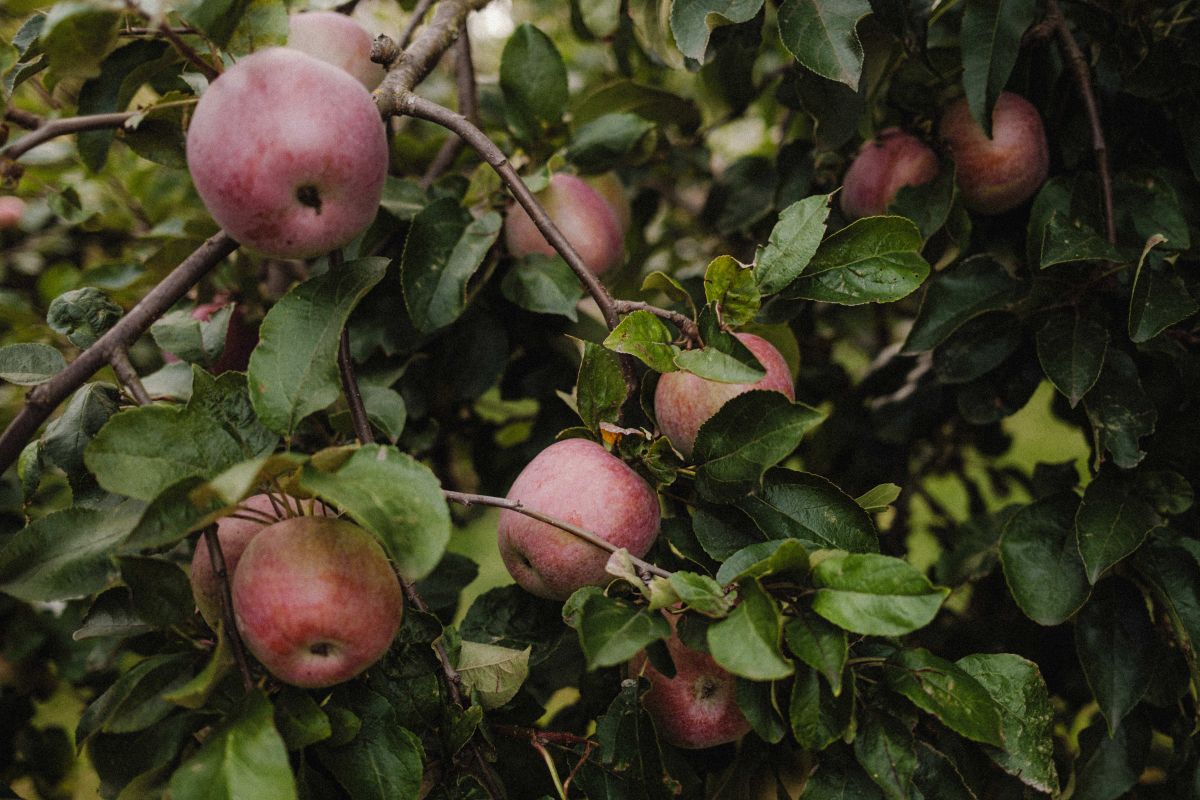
(217, 558)
(468, 106)
(515, 505)
(61, 127)
(127, 375)
(42, 400)
(24, 119)
(182, 47)
(414, 21)
(686, 326)
(135, 31)
(422, 55)
(358, 411)
(1083, 77)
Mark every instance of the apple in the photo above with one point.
(592, 214)
(998, 174)
(698, 707)
(338, 40)
(234, 534)
(684, 401)
(316, 600)
(288, 153)
(12, 208)
(892, 160)
(577, 481)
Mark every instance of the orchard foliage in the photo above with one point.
(962, 563)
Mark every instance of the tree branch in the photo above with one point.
(468, 106)
(42, 400)
(127, 375)
(581, 533)
(216, 557)
(1082, 72)
(61, 127)
(686, 326)
(24, 119)
(418, 59)
(414, 21)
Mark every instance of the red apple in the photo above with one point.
(12, 208)
(316, 600)
(234, 534)
(998, 174)
(892, 160)
(683, 401)
(698, 707)
(593, 214)
(288, 154)
(338, 40)
(580, 482)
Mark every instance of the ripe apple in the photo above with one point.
(316, 600)
(12, 208)
(338, 40)
(580, 482)
(997, 174)
(892, 160)
(683, 401)
(288, 154)
(698, 707)
(593, 214)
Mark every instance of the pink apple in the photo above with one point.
(288, 154)
(698, 707)
(997, 174)
(683, 401)
(580, 482)
(336, 39)
(592, 214)
(12, 208)
(316, 600)
(886, 164)
(234, 534)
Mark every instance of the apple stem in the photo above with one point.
(217, 558)
(41, 401)
(466, 499)
(127, 375)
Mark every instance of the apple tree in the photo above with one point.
(599, 399)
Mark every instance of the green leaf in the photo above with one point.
(760, 707)
(929, 205)
(533, 80)
(1027, 717)
(1067, 240)
(386, 410)
(404, 198)
(444, 247)
(76, 37)
(818, 718)
(244, 757)
(196, 692)
(793, 243)
(875, 595)
(1174, 577)
(226, 399)
(611, 139)
(543, 284)
(885, 748)
(1108, 766)
(67, 437)
(64, 554)
(991, 39)
(947, 691)
(384, 760)
(748, 435)
(780, 556)
(159, 590)
(871, 260)
(877, 499)
(647, 338)
(800, 505)
(600, 17)
(958, 294)
(217, 19)
(977, 347)
(142, 451)
(747, 642)
(29, 364)
(600, 389)
(494, 674)
(668, 285)
(1120, 410)
(1116, 643)
(133, 702)
(713, 364)
(192, 340)
(300, 720)
(612, 631)
(83, 315)
(731, 285)
(821, 35)
(393, 496)
(1041, 559)
(701, 593)
(1071, 348)
(1113, 519)
(820, 645)
(693, 21)
(293, 370)
(648, 102)
(1159, 298)
(264, 23)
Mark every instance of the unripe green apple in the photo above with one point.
(684, 401)
(580, 482)
(338, 40)
(234, 534)
(592, 214)
(886, 164)
(288, 154)
(698, 707)
(997, 174)
(316, 600)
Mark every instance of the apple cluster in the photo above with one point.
(994, 174)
